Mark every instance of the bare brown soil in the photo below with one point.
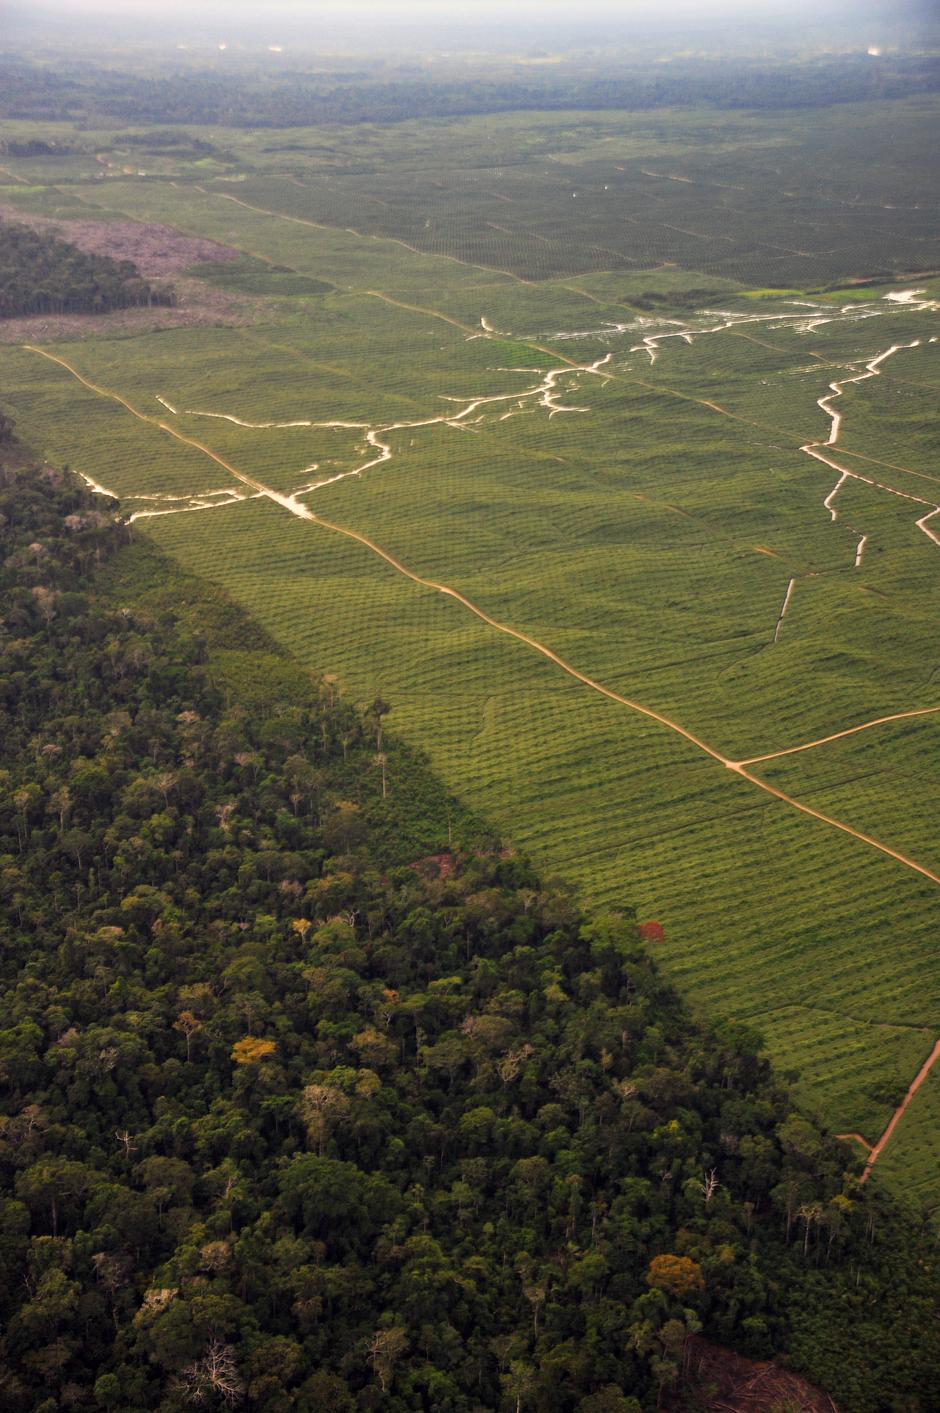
(198, 305)
(720, 1381)
(157, 251)
(652, 931)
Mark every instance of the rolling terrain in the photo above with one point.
(566, 450)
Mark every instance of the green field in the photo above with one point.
(646, 519)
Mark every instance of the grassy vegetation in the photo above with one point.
(648, 539)
(249, 275)
(908, 1159)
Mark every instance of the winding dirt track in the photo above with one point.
(783, 612)
(855, 1138)
(898, 1114)
(818, 449)
(839, 735)
(417, 309)
(295, 507)
(892, 465)
(814, 449)
(427, 312)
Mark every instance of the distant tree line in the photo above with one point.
(297, 99)
(156, 138)
(34, 147)
(171, 140)
(691, 298)
(41, 274)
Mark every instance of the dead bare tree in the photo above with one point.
(214, 1375)
(710, 1186)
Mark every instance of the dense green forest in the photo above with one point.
(33, 147)
(41, 274)
(297, 1115)
(295, 98)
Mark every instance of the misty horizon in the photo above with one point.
(430, 24)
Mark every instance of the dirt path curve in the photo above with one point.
(418, 309)
(835, 823)
(429, 313)
(545, 391)
(839, 735)
(898, 1114)
(783, 612)
(855, 1138)
(818, 449)
(774, 347)
(892, 465)
(663, 388)
(295, 507)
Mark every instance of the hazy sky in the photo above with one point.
(536, 21)
(443, 10)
